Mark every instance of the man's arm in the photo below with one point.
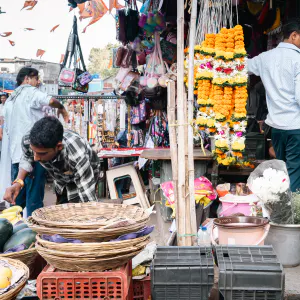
(54, 103)
(253, 66)
(25, 167)
(41, 99)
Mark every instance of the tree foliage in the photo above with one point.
(100, 61)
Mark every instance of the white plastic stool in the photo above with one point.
(127, 170)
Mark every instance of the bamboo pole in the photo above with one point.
(191, 171)
(181, 213)
(173, 140)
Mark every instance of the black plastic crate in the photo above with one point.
(182, 273)
(250, 273)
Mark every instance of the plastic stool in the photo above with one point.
(127, 170)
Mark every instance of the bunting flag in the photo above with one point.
(53, 29)
(78, 60)
(28, 29)
(71, 8)
(40, 53)
(99, 9)
(5, 34)
(114, 4)
(29, 4)
(85, 10)
(62, 57)
(12, 42)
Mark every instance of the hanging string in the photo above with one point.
(213, 15)
(237, 14)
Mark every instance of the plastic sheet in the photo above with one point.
(271, 184)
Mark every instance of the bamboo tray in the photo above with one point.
(90, 215)
(85, 235)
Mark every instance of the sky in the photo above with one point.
(44, 16)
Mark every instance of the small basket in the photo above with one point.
(13, 293)
(90, 215)
(27, 257)
(85, 235)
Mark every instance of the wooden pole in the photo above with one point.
(173, 140)
(191, 171)
(181, 213)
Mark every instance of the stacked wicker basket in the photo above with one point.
(15, 289)
(96, 225)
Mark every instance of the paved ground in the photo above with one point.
(161, 235)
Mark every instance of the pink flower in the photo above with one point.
(239, 134)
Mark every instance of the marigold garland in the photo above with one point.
(221, 90)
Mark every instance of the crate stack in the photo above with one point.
(249, 273)
(182, 273)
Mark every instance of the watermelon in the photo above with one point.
(25, 236)
(19, 227)
(6, 231)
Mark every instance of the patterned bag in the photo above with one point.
(66, 77)
(85, 78)
(138, 113)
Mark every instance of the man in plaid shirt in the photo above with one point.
(67, 157)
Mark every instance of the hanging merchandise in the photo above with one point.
(213, 15)
(158, 130)
(138, 113)
(77, 77)
(127, 20)
(221, 87)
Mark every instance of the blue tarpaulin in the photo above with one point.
(7, 81)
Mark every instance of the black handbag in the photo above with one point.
(132, 22)
(157, 96)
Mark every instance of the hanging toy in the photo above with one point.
(143, 20)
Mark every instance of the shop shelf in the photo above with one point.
(249, 273)
(182, 273)
(142, 289)
(55, 284)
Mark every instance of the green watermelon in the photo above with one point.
(19, 227)
(6, 231)
(25, 236)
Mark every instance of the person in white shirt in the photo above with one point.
(279, 70)
(3, 98)
(22, 109)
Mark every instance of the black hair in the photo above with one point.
(46, 133)
(26, 71)
(290, 26)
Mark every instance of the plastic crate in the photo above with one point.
(55, 284)
(142, 289)
(182, 273)
(250, 273)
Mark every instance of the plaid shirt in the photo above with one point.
(76, 167)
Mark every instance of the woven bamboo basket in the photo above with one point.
(90, 215)
(93, 254)
(86, 235)
(93, 247)
(13, 293)
(27, 257)
(80, 264)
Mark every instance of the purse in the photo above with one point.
(127, 58)
(119, 56)
(121, 25)
(66, 77)
(132, 22)
(129, 79)
(138, 113)
(85, 78)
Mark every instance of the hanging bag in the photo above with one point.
(132, 21)
(121, 26)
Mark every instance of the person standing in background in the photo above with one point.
(3, 98)
(279, 70)
(22, 109)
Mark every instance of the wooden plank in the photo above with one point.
(165, 154)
